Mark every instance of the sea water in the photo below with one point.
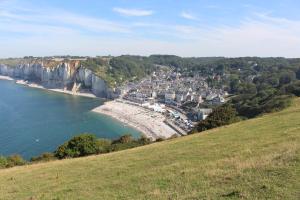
(34, 121)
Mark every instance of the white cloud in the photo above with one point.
(133, 12)
(40, 33)
(59, 18)
(90, 23)
(262, 36)
(187, 15)
(258, 35)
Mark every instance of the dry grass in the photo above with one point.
(254, 159)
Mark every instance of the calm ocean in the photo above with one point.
(33, 121)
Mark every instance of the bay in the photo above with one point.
(34, 121)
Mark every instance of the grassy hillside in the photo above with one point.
(255, 159)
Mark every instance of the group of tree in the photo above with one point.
(79, 146)
(11, 161)
(88, 144)
(257, 85)
(221, 116)
(117, 70)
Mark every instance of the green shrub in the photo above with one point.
(160, 139)
(82, 145)
(15, 160)
(293, 89)
(103, 146)
(127, 142)
(3, 162)
(143, 140)
(88, 144)
(123, 146)
(44, 157)
(221, 116)
(124, 139)
(11, 161)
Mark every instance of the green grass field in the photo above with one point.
(254, 159)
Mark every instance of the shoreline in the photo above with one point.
(38, 86)
(35, 85)
(149, 123)
(7, 78)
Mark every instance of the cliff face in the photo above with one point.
(63, 75)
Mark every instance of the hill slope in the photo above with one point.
(255, 159)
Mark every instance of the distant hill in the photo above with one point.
(253, 159)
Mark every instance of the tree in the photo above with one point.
(127, 142)
(103, 146)
(82, 145)
(293, 88)
(247, 88)
(44, 157)
(3, 162)
(144, 140)
(287, 77)
(298, 74)
(124, 139)
(234, 83)
(221, 116)
(11, 161)
(220, 68)
(15, 160)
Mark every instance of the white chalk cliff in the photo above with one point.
(70, 75)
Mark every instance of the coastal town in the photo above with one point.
(177, 100)
(149, 99)
(164, 104)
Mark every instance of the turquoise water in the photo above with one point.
(33, 121)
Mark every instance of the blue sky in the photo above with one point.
(229, 28)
